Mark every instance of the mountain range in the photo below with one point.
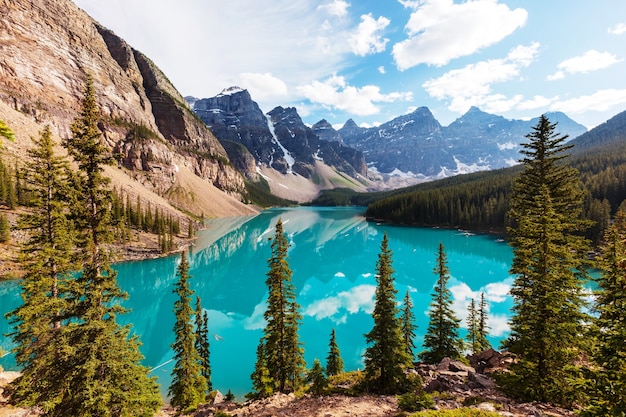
(414, 146)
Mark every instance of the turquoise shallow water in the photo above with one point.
(333, 255)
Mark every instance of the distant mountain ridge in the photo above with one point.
(416, 143)
(414, 146)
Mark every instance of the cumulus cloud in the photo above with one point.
(367, 39)
(471, 85)
(335, 8)
(559, 75)
(618, 29)
(599, 101)
(441, 30)
(536, 102)
(359, 298)
(336, 93)
(591, 60)
(263, 86)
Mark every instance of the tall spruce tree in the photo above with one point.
(442, 336)
(188, 387)
(472, 327)
(100, 370)
(203, 346)
(316, 378)
(334, 362)
(607, 385)
(281, 353)
(47, 258)
(483, 326)
(385, 356)
(407, 323)
(549, 265)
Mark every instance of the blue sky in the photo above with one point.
(373, 60)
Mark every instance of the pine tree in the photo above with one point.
(317, 379)
(47, 258)
(202, 343)
(100, 370)
(407, 320)
(262, 382)
(442, 336)
(386, 356)
(549, 265)
(5, 229)
(483, 327)
(188, 387)
(334, 362)
(607, 384)
(472, 327)
(281, 350)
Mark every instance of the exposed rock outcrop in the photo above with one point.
(48, 47)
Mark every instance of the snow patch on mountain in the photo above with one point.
(230, 91)
(462, 168)
(507, 146)
(287, 155)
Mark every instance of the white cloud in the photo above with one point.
(441, 30)
(618, 29)
(536, 102)
(263, 86)
(282, 38)
(559, 75)
(335, 8)
(381, 69)
(599, 101)
(359, 298)
(591, 60)
(471, 85)
(340, 275)
(366, 39)
(336, 93)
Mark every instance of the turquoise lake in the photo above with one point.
(333, 255)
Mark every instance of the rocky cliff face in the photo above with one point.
(47, 48)
(279, 140)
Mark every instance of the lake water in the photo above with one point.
(333, 256)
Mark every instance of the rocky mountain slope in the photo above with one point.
(278, 143)
(47, 48)
(417, 144)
